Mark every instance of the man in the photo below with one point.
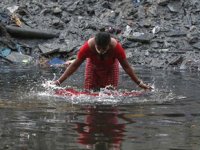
(103, 55)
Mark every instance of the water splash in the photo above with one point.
(108, 96)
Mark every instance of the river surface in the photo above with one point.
(33, 118)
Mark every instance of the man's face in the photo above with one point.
(101, 50)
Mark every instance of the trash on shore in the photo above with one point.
(30, 33)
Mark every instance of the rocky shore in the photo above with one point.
(155, 33)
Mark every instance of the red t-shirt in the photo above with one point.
(86, 52)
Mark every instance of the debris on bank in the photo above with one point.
(30, 33)
(155, 33)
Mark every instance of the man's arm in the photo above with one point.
(69, 71)
(129, 70)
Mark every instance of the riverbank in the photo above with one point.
(155, 33)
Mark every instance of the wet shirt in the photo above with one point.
(117, 53)
(100, 73)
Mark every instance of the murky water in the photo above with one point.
(33, 118)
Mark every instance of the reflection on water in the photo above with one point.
(32, 117)
(101, 128)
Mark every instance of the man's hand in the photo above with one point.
(145, 86)
(51, 84)
(57, 82)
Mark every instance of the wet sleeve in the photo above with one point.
(83, 51)
(121, 55)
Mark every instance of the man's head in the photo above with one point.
(102, 42)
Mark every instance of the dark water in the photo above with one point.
(33, 118)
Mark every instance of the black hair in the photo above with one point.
(102, 39)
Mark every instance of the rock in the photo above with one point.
(147, 23)
(3, 31)
(192, 38)
(197, 45)
(190, 64)
(187, 21)
(175, 6)
(57, 10)
(16, 57)
(91, 11)
(127, 31)
(149, 2)
(71, 45)
(144, 38)
(176, 33)
(163, 2)
(141, 12)
(156, 29)
(155, 45)
(184, 45)
(193, 29)
(176, 60)
(106, 4)
(152, 10)
(165, 50)
(193, 35)
(152, 26)
(129, 44)
(194, 19)
(58, 24)
(157, 63)
(48, 48)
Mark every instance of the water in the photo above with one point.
(33, 118)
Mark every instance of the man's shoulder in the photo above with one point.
(91, 42)
(113, 42)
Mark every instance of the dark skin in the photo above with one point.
(102, 53)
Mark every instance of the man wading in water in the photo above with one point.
(103, 55)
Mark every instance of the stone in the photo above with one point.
(176, 60)
(57, 23)
(176, 33)
(156, 29)
(147, 23)
(141, 12)
(174, 6)
(163, 2)
(130, 44)
(155, 45)
(48, 48)
(57, 10)
(157, 63)
(143, 38)
(71, 45)
(106, 4)
(149, 2)
(16, 57)
(192, 38)
(187, 21)
(194, 19)
(197, 45)
(153, 11)
(162, 27)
